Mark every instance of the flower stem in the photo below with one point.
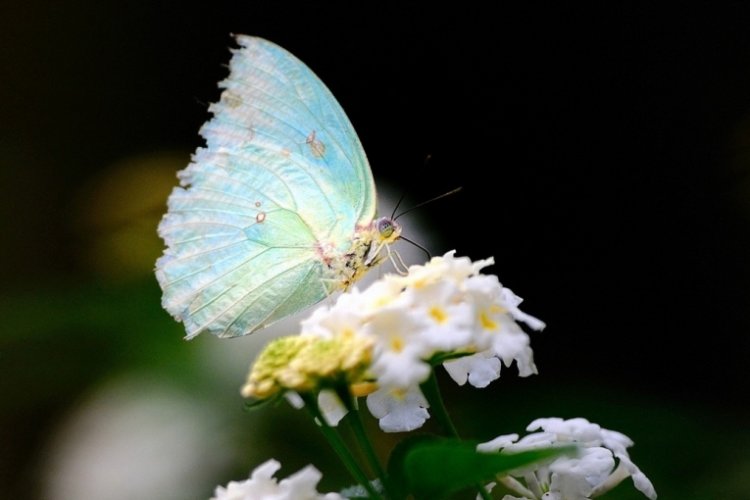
(355, 421)
(431, 392)
(338, 445)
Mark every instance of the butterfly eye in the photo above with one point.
(385, 228)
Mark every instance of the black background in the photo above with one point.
(603, 154)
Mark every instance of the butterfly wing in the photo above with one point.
(282, 172)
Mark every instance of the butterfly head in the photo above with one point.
(387, 230)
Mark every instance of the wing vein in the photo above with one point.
(294, 290)
(301, 101)
(242, 297)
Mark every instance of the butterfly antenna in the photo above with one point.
(427, 252)
(398, 204)
(452, 191)
(427, 159)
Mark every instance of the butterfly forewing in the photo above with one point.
(282, 173)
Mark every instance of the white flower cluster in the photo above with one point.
(263, 486)
(603, 462)
(443, 307)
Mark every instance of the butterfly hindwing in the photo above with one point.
(282, 170)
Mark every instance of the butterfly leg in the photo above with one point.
(397, 261)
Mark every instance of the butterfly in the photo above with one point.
(277, 211)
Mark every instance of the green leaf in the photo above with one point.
(433, 468)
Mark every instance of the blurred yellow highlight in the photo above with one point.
(117, 213)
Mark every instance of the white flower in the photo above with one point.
(343, 317)
(447, 318)
(402, 324)
(496, 315)
(399, 352)
(398, 410)
(382, 293)
(603, 462)
(455, 309)
(263, 486)
(331, 407)
(479, 369)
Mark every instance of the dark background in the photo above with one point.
(603, 153)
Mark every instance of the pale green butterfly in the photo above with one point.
(277, 211)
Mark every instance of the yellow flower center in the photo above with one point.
(438, 314)
(487, 322)
(398, 393)
(397, 344)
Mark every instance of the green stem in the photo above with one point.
(483, 492)
(355, 420)
(338, 445)
(431, 392)
(359, 432)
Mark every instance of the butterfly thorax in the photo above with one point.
(365, 252)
